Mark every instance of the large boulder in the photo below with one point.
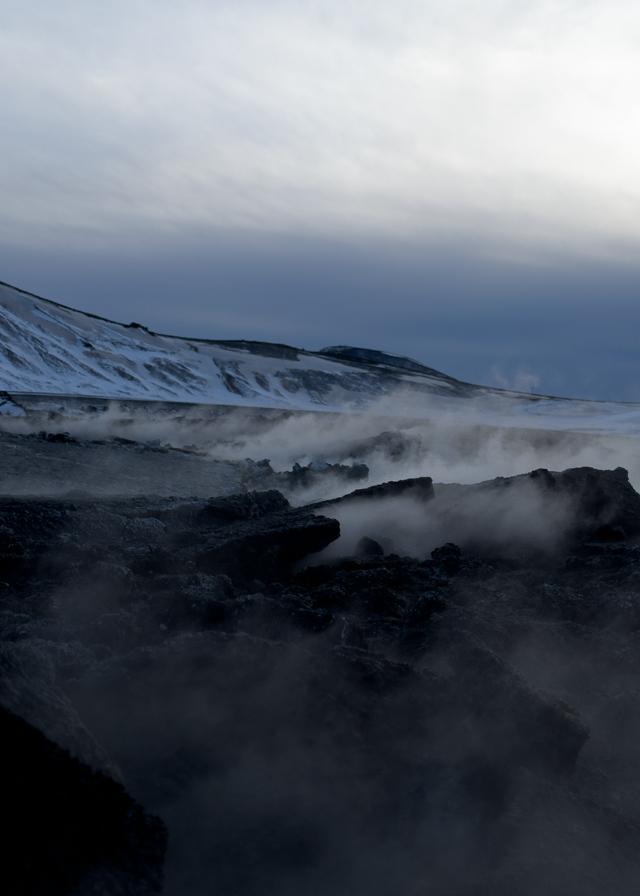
(266, 548)
(70, 829)
(244, 506)
(419, 488)
(541, 510)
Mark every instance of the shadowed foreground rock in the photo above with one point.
(68, 828)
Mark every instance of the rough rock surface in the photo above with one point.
(420, 488)
(541, 511)
(68, 828)
(451, 724)
(302, 478)
(602, 503)
(54, 464)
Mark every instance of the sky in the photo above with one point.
(458, 181)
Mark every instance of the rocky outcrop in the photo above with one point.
(303, 478)
(541, 512)
(244, 506)
(392, 445)
(419, 488)
(68, 828)
(575, 504)
(267, 548)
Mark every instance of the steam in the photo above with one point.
(503, 521)
(403, 436)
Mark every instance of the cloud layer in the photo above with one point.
(501, 122)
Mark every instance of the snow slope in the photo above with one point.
(48, 348)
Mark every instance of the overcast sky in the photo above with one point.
(456, 180)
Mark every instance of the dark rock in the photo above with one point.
(299, 478)
(394, 446)
(63, 438)
(281, 619)
(69, 828)
(540, 512)
(264, 349)
(605, 499)
(369, 547)
(195, 602)
(377, 358)
(609, 534)
(420, 488)
(372, 671)
(511, 721)
(312, 620)
(245, 506)
(353, 635)
(449, 557)
(30, 687)
(269, 546)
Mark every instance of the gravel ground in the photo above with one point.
(32, 465)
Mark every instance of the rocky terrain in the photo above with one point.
(55, 463)
(412, 688)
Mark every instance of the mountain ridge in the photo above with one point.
(348, 352)
(51, 349)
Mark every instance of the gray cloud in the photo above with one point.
(413, 121)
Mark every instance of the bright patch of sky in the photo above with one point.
(513, 122)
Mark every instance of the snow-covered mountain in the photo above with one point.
(46, 347)
(51, 349)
